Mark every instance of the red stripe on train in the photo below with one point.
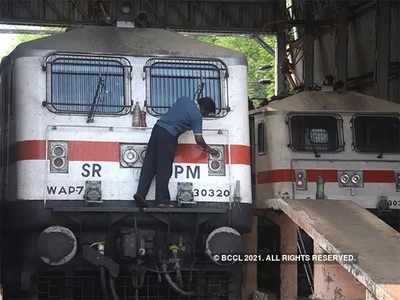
(109, 151)
(287, 175)
(191, 153)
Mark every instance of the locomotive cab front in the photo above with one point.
(76, 142)
(329, 145)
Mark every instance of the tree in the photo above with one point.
(22, 38)
(256, 57)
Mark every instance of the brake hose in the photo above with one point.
(112, 286)
(173, 284)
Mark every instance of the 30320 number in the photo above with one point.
(211, 193)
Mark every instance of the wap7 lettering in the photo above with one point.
(65, 190)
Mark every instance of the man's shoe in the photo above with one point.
(140, 201)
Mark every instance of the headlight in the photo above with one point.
(350, 178)
(355, 179)
(58, 156)
(130, 156)
(344, 179)
(143, 155)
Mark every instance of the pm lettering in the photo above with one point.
(91, 170)
(189, 172)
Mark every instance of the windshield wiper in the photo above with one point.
(95, 102)
(383, 148)
(315, 151)
(199, 90)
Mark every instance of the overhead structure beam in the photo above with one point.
(263, 44)
(29, 31)
(280, 59)
(242, 16)
(308, 45)
(341, 42)
(383, 40)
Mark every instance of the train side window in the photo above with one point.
(312, 133)
(376, 133)
(83, 84)
(169, 79)
(261, 141)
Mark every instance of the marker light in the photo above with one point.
(301, 180)
(216, 163)
(58, 156)
(397, 181)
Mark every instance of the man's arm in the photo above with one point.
(202, 143)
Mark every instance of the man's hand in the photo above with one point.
(212, 151)
(200, 141)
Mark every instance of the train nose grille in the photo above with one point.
(87, 286)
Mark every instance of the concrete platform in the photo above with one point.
(343, 227)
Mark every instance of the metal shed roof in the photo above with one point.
(317, 101)
(126, 41)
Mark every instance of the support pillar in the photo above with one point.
(280, 55)
(249, 282)
(288, 271)
(341, 43)
(288, 231)
(383, 40)
(308, 45)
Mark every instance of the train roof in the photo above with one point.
(317, 101)
(126, 41)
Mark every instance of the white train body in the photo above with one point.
(98, 143)
(72, 157)
(349, 140)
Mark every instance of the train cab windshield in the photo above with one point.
(169, 79)
(316, 134)
(88, 85)
(376, 134)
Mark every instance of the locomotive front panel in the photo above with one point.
(110, 151)
(363, 167)
(317, 154)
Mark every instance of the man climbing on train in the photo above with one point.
(185, 114)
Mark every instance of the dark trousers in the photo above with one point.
(158, 161)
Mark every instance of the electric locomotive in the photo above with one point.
(72, 147)
(329, 145)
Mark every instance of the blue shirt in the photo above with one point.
(182, 116)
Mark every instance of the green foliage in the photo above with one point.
(256, 57)
(10, 41)
(22, 38)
